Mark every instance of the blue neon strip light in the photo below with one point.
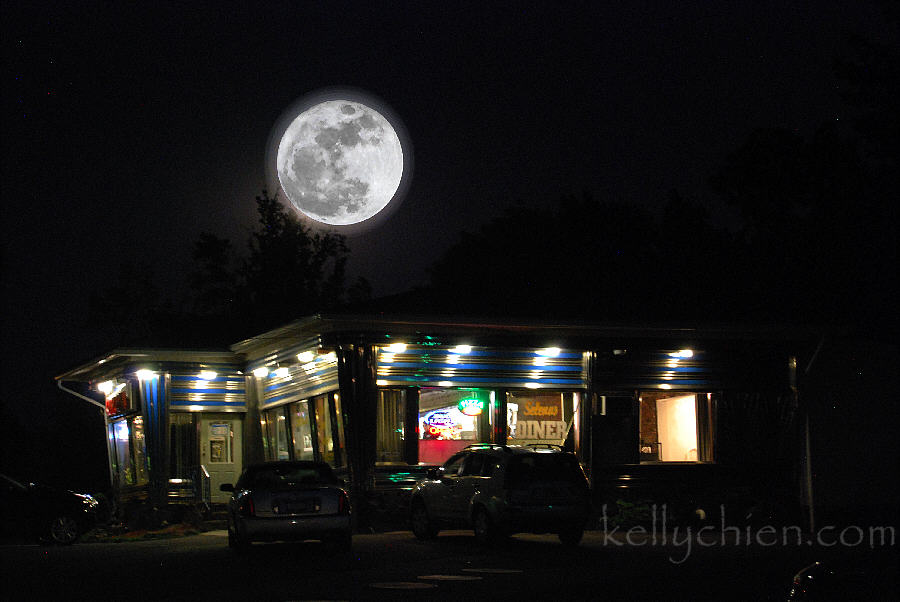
(481, 379)
(504, 367)
(209, 403)
(209, 391)
(679, 369)
(218, 379)
(501, 354)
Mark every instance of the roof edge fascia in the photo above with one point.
(118, 357)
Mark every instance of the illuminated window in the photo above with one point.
(220, 437)
(122, 444)
(301, 431)
(675, 426)
(451, 419)
(128, 451)
(119, 403)
(389, 427)
(323, 428)
(277, 434)
(339, 435)
(264, 429)
(541, 416)
(305, 430)
(139, 447)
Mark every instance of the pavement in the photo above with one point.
(629, 565)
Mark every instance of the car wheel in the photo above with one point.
(422, 526)
(63, 530)
(485, 531)
(236, 543)
(571, 537)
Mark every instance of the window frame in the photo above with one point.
(381, 422)
(330, 410)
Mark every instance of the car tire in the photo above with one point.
(63, 530)
(422, 525)
(236, 543)
(571, 537)
(485, 530)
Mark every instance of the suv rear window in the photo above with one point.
(543, 467)
(286, 476)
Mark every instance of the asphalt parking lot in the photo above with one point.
(394, 565)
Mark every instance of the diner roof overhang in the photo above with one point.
(120, 360)
(332, 330)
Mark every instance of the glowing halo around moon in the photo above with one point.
(341, 158)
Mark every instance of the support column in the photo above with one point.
(156, 424)
(411, 426)
(356, 377)
(253, 436)
(501, 432)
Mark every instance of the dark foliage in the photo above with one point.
(287, 272)
(585, 258)
(816, 245)
(290, 271)
(816, 242)
(574, 257)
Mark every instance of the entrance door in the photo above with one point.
(220, 451)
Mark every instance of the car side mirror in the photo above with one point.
(226, 487)
(433, 473)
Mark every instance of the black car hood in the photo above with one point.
(47, 493)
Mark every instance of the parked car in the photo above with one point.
(45, 513)
(499, 490)
(854, 577)
(288, 501)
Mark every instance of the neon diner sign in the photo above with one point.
(471, 407)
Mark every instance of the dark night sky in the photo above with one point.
(127, 131)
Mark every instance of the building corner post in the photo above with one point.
(356, 378)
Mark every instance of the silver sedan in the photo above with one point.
(288, 501)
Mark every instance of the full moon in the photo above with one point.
(340, 162)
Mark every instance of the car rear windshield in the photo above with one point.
(290, 475)
(543, 467)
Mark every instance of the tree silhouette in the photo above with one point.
(290, 271)
(816, 245)
(579, 258)
(287, 271)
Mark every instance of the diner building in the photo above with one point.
(382, 398)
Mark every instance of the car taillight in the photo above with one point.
(343, 503)
(246, 508)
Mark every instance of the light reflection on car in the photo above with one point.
(288, 501)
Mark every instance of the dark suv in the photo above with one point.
(498, 490)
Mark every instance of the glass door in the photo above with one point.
(220, 451)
